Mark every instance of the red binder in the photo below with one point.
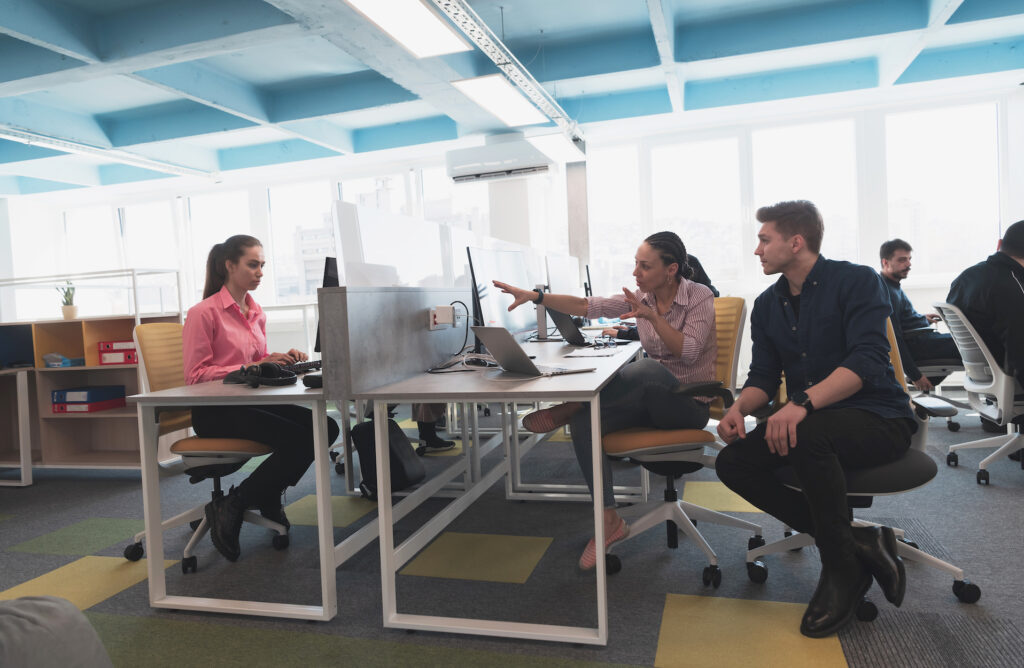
(90, 407)
(119, 357)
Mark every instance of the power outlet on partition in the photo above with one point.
(441, 316)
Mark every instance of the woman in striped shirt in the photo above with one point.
(676, 324)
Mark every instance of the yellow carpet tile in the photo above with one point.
(86, 581)
(347, 509)
(716, 496)
(478, 556)
(711, 631)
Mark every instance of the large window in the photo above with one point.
(613, 207)
(464, 205)
(696, 194)
(815, 162)
(92, 240)
(215, 217)
(149, 238)
(303, 235)
(943, 185)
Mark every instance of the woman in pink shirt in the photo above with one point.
(676, 325)
(223, 332)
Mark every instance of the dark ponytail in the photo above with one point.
(671, 249)
(232, 249)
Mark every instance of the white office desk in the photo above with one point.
(478, 387)
(217, 393)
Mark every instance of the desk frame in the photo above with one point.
(24, 428)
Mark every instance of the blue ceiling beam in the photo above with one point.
(20, 59)
(612, 106)
(334, 95)
(210, 87)
(174, 120)
(782, 84)
(597, 54)
(965, 60)
(409, 133)
(52, 25)
(798, 26)
(12, 151)
(24, 185)
(19, 114)
(274, 153)
(322, 132)
(168, 25)
(116, 173)
(979, 10)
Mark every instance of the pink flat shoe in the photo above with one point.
(589, 558)
(549, 419)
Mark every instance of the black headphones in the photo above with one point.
(265, 373)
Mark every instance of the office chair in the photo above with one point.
(913, 470)
(674, 452)
(992, 392)
(161, 367)
(938, 367)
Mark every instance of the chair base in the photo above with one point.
(1005, 446)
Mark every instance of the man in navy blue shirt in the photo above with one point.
(916, 339)
(822, 324)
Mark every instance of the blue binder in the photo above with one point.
(86, 395)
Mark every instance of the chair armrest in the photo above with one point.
(710, 388)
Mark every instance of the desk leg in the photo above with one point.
(324, 512)
(476, 441)
(599, 569)
(24, 427)
(151, 502)
(389, 600)
(469, 449)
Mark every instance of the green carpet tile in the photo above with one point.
(85, 537)
(170, 642)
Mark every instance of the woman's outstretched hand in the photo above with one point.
(519, 295)
(640, 310)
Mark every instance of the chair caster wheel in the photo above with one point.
(712, 576)
(953, 426)
(194, 524)
(339, 468)
(757, 571)
(189, 565)
(421, 450)
(867, 611)
(982, 477)
(134, 552)
(952, 459)
(787, 534)
(333, 454)
(755, 542)
(280, 541)
(612, 564)
(966, 591)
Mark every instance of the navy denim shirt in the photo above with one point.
(843, 308)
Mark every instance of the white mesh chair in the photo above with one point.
(992, 392)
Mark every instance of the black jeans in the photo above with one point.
(931, 345)
(288, 430)
(828, 441)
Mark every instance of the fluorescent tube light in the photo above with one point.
(495, 94)
(412, 25)
(558, 147)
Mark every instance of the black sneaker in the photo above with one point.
(437, 444)
(224, 515)
(276, 514)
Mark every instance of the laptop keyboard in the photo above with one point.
(304, 367)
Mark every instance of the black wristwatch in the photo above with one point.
(801, 399)
(540, 295)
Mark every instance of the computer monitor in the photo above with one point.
(330, 281)
(564, 275)
(490, 307)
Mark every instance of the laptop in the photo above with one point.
(571, 333)
(512, 358)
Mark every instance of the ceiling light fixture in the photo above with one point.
(463, 16)
(495, 94)
(559, 147)
(413, 25)
(112, 154)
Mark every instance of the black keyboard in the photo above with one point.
(303, 367)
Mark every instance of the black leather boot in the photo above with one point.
(876, 549)
(224, 515)
(430, 440)
(841, 588)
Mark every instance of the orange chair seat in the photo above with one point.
(640, 440)
(195, 445)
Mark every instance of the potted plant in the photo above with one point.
(67, 293)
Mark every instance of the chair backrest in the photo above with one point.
(730, 316)
(894, 354)
(161, 361)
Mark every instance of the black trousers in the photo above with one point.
(931, 345)
(287, 429)
(828, 441)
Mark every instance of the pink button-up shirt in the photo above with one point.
(692, 312)
(218, 339)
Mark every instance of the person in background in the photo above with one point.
(676, 325)
(991, 295)
(427, 417)
(224, 331)
(914, 336)
(823, 325)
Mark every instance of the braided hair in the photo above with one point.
(671, 249)
(232, 249)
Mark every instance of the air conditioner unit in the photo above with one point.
(504, 160)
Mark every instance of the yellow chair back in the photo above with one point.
(730, 316)
(163, 366)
